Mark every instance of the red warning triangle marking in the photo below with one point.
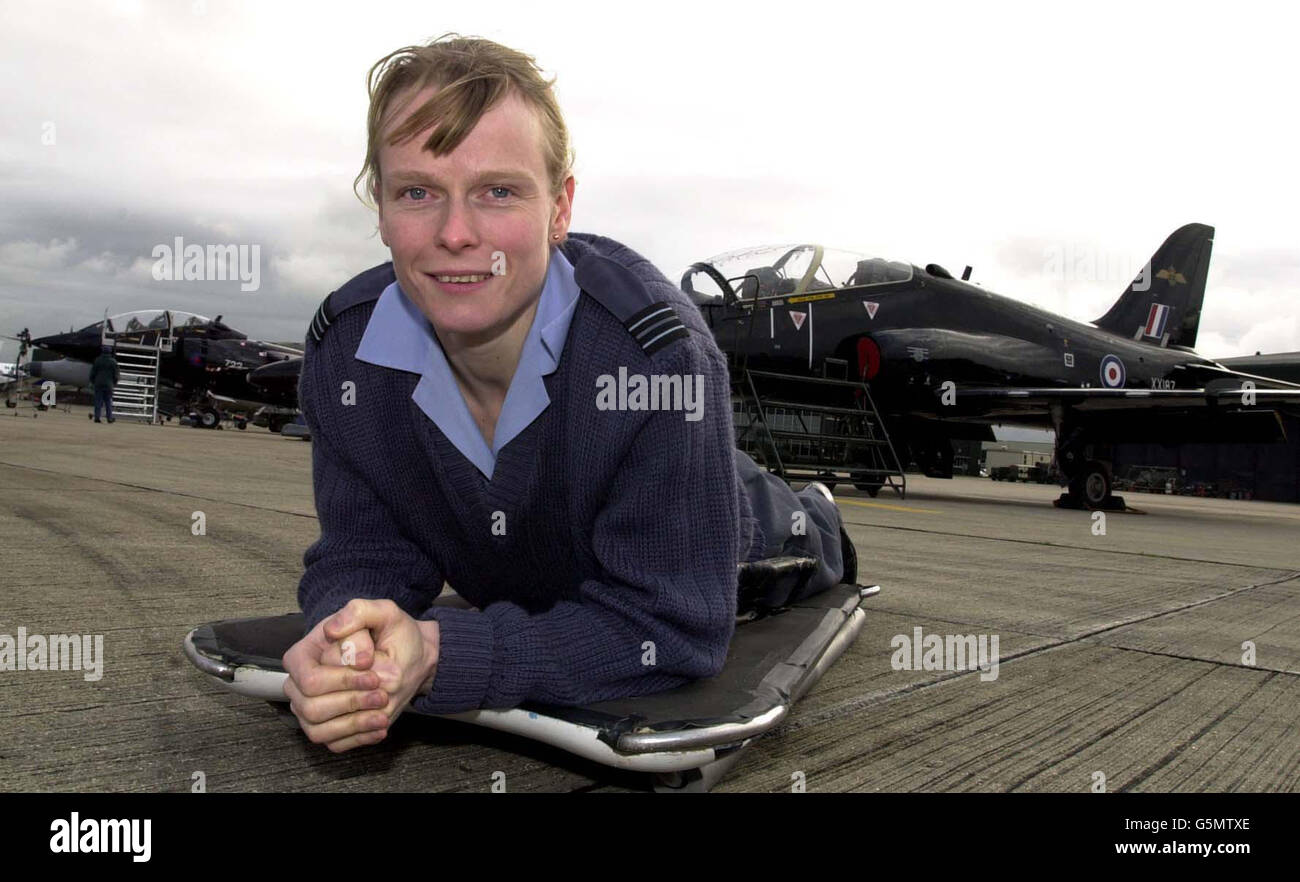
(871, 306)
(797, 318)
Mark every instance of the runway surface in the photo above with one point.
(1119, 654)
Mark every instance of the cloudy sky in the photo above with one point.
(1004, 136)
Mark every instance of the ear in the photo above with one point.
(563, 209)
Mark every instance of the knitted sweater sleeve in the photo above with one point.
(662, 612)
(361, 551)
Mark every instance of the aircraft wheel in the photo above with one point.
(1093, 484)
(209, 418)
(935, 459)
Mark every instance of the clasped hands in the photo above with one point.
(352, 675)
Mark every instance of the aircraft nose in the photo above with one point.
(50, 342)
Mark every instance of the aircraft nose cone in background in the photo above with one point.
(54, 341)
(68, 371)
(74, 344)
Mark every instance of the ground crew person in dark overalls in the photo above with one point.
(103, 377)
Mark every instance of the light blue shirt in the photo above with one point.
(399, 336)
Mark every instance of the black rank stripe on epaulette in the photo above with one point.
(656, 326)
(363, 288)
(320, 322)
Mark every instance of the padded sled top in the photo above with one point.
(771, 662)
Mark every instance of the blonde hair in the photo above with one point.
(471, 75)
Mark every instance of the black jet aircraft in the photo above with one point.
(941, 359)
(203, 362)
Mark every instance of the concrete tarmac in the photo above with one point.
(1157, 651)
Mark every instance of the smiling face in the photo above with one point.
(451, 220)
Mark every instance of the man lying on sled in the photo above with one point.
(538, 418)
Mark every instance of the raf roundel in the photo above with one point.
(1112, 372)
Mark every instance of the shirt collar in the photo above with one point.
(399, 336)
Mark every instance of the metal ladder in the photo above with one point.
(138, 353)
(803, 426)
(136, 393)
(816, 429)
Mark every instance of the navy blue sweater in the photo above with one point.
(622, 528)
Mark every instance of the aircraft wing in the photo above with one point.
(1215, 414)
(1129, 399)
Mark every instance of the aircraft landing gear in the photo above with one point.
(1090, 479)
(1094, 486)
(1090, 489)
(934, 457)
(209, 418)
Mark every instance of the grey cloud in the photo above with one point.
(64, 266)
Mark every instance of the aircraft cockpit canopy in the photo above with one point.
(786, 271)
(146, 320)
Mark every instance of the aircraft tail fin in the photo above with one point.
(1162, 306)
